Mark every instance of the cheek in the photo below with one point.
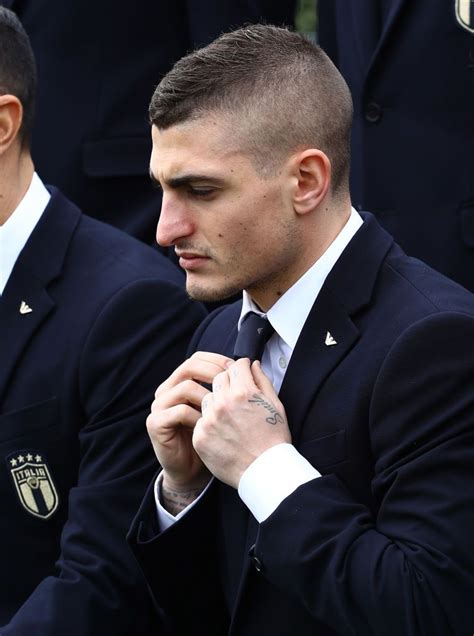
(250, 223)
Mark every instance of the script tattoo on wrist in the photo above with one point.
(275, 417)
(175, 501)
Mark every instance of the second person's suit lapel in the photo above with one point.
(390, 22)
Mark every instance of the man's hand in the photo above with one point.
(241, 419)
(174, 413)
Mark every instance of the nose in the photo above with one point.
(174, 222)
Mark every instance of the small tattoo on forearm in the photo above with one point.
(174, 502)
(274, 417)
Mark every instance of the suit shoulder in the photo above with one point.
(421, 288)
(111, 250)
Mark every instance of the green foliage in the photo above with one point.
(305, 18)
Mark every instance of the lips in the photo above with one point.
(191, 260)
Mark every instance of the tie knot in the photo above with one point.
(254, 332)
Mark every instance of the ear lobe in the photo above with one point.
(313, 177)
(11, 115)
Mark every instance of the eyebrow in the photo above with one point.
(186, 179)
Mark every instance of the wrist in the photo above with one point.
(182, 486)
(176, 497)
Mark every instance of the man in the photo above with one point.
(410, 68)
(98, 64)
(90, 318)
(342, 505)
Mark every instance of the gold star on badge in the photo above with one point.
(21, 459)
(13, 462)
(38, 458)
(29, 457)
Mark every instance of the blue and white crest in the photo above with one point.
(465, 14)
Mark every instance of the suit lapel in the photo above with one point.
(26, 303)
(329, 332)
(388, 27)
(327, 336)
(365, 27)
(24, 294)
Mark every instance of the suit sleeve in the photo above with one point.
(408, 566)
(138, 339)
(181, 565)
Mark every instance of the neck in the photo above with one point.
(16, 172)
(318, 233)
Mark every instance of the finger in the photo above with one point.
(186, 392)
(220, 382)
(262, 381)
(202, 366)
(206, 402)
(240, 375)
(162, 425)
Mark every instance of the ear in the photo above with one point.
(312, 178)
(11, 115)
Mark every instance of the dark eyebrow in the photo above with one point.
(186, 179)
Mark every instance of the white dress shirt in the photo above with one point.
(16, 231)
(280, 470)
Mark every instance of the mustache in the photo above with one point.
(188, 247)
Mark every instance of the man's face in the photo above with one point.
(232, 228)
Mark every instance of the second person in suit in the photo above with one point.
(90, 318)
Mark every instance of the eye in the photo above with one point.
(201, 192)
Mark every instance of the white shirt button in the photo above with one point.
(282, 362)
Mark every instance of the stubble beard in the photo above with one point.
(205, 294)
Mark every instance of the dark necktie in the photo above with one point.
(254, 332)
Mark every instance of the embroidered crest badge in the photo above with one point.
(465, 14)
(33, 483)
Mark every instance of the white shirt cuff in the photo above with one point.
(273, 476)
(165, 518)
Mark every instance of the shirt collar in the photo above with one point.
(16, 231)
(288, 315)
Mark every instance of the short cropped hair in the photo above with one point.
(283, 90)
(17, 69)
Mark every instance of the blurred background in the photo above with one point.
(305, 19)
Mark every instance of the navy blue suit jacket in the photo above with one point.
(91, 321)
(411, 74)
(98, 65)
(382, 542)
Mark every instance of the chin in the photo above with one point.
(212, 294)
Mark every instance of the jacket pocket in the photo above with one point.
(29, 419)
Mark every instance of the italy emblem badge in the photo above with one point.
(33, 483)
